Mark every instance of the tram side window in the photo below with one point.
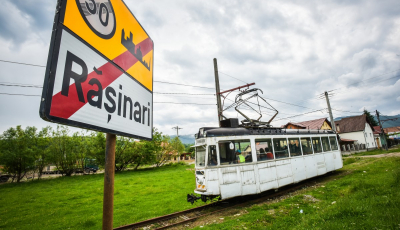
(294, 147)
(212, 156)
(227, 151)
(201, 156)
(281, 148)
(264, 150)
(317, 144)
(306, 145)
(334, 145)
(325, 144)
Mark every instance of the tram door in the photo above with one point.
(238, 178)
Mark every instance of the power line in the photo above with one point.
(172, 83)
(21, 63)
(371, 78)
(18, 85)
(18, 94)
(167, 102)
(232, 77)
(186, 93)
(37, 95)
(300, 114)
(346, 111)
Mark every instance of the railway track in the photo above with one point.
(179, 218)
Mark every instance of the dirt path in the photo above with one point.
(382, 155)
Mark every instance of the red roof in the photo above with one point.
(392, 129)
(377, 129)
(313, 124)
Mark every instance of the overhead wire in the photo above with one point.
(232, 76)
(21, 63)
(211, 87)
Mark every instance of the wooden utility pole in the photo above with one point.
(109, 169)
(217, 92)
(382, 133)
(330, 111)
(177, 136)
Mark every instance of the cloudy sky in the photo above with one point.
(294, 51)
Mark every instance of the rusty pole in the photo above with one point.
(217, 93)
(109, 169)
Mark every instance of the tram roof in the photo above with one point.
(218, 132)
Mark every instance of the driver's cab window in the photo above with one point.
(212, 156)
(235, 152)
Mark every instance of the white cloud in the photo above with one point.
(292, 51)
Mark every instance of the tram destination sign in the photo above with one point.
(99, 71)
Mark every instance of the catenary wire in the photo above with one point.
(231, 76)
(21, 63)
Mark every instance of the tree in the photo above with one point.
(177, 146)
(42, 153)
(16, 151)
(370, 118)
(189, 149)
(125, 153)
(65, 150)
(163, 150)
(98, 148)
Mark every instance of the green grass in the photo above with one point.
(77, 202)
(365, 196)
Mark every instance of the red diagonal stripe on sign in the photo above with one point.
(64, 107)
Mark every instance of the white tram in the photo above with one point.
(274, 157)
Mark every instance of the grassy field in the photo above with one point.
(364, 195)
(76, 202)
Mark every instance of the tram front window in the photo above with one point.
(280, 148)
(200, 156)
(228, 152)
(212, 156)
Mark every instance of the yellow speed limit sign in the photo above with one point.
(99, 72)
(113, 30)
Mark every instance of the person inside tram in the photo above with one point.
(261, 155)
(269, 154)
(239, 157)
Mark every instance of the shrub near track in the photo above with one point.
(77, 202)
(365, 195)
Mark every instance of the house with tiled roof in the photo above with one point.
(393, 132)
(356, 128)
(321, 123)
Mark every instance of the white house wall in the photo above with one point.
(370, 136)
(363, 137)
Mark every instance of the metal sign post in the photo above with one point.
(109, 169)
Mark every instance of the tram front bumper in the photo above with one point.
(203, 192)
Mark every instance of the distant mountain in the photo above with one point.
(185, 139)
(386, 122)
